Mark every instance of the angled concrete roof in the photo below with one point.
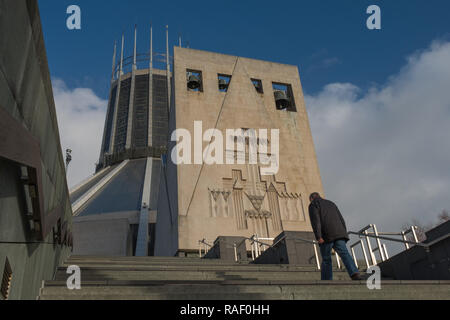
(118, 188)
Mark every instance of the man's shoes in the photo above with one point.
(356, 276)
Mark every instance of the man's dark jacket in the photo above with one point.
(326, 220)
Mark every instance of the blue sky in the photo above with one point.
(328, 40)
(378, 101)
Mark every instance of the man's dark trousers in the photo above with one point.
(327, 266)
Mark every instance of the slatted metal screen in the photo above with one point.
(122, 116)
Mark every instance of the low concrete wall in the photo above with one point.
(417, 264)
(437, 232)
(224, 249)
(102, 237)
(290, 250)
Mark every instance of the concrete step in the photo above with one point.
(245, 290)
(196, 267)
(197, 275)
(157, 296)
(152, 259)
(131, 262)
(154, 278)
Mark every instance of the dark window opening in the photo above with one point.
(6, 280)
(194, 80)
(284, 98)
(224, 82)
(258, 85)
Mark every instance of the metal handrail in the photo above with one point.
(252, 238)
(381, 248)
(425, 246)
(363, 233)
(313, 242)
(255, 252)
(386, 238)
(421, 244)
(234, 248)
(203, 241)
(205, 244)
(255, 240)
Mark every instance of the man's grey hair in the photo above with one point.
(313, 196)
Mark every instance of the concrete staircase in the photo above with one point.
(153, 278)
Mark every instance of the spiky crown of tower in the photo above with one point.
(136, 122)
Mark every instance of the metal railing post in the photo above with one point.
(256, 245)
(385, 251)
(235, 252)
(413, 230)
(354, 256)
(253, 253)
(316, 255)
(365, 254)
(369, 247)
(404, 239)
(380, 249)
(337, 260)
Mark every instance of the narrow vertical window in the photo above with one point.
(258, 85)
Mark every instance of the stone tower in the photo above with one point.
(206, 201)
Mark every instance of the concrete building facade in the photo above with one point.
(200, 201)
(35, 212)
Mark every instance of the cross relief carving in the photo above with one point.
(255, 202)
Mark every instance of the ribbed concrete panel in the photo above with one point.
(140, 127)
(109, 120)
(160, 111)
(122, 116)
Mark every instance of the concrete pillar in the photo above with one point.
(142, 237)
(116, 104)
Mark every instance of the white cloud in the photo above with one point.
(81, 118)
(384, 155)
